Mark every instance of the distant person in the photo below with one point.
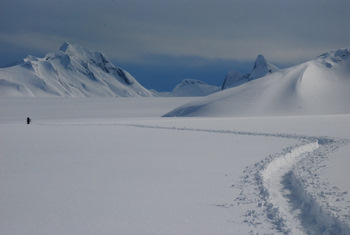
(28, 120)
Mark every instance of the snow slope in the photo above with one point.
(72, 72)
(113, 166)
(261, 68)
(319, 86)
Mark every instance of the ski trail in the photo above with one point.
(268, 184)
(273, 181)
(272, 187)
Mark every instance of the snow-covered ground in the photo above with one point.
(114, 166)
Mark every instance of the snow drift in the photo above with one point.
(72, 72)
(319, 86)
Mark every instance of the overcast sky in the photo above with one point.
(161, 42)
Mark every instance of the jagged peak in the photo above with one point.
(260, 61)
(261, 68)
(84, 56)
(75, 50)
(64, 46)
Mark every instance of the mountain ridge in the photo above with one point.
(318, 86)
(193, 87)
(73, 71)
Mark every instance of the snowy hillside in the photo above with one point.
(72, 72)
(319, 86)
(192, 87)
(261, 68)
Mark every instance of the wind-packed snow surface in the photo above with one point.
(113, 166)
(319, 86)
(74, 71)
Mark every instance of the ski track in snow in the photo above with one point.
(284, 188)
(273, 176)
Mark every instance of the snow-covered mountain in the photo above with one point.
(189, 88)
(261, 68)
(319, 86)
(193, 87)
(74, 71)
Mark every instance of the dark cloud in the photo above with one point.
(210, 29)
(133, 31)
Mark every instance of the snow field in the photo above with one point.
(108, 166)
(59, 178)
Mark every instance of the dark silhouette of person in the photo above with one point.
(28, 120)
